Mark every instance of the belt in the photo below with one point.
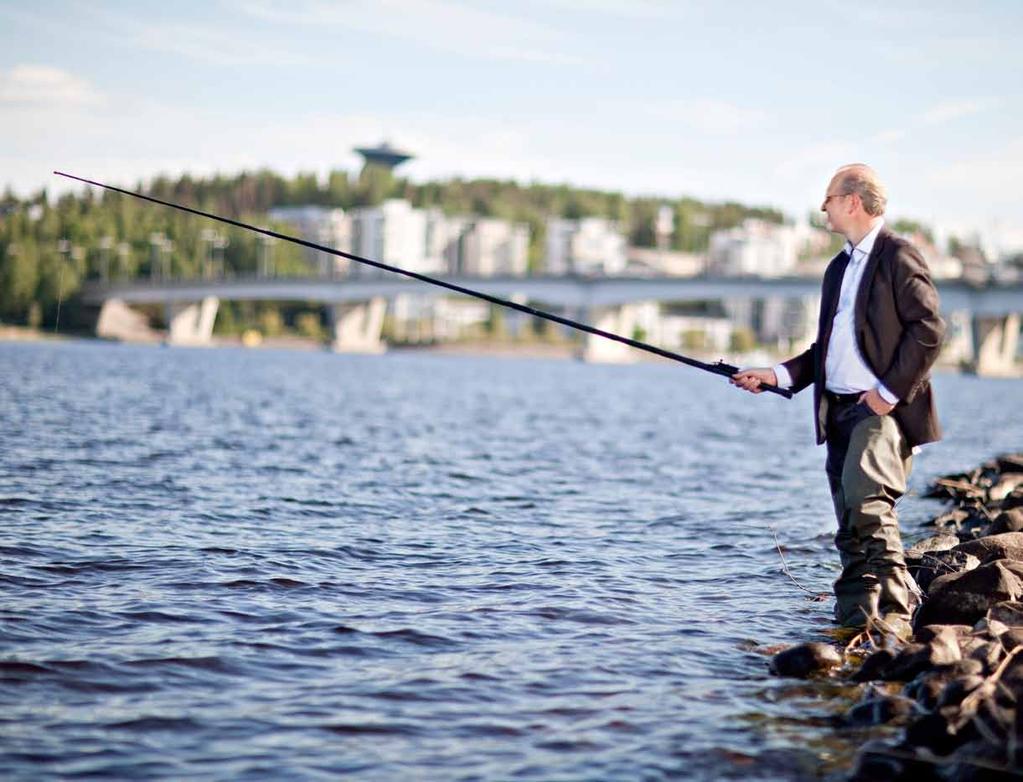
(843, 399)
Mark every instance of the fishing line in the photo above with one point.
(717, 368)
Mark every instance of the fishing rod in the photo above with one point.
(717, 368)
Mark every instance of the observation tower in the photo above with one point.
(383, 156)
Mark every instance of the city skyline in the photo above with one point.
(665, 99)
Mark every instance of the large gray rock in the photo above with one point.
(934, 732)
(1012, 677)
(942, 542)
(1006, 485)
(910, 661)
(874, 667)
(992, 628)
(951, 519)
(927, 689)
(1009, 613)
(1008, 545)
(972, 643)
(930, 632)
(964, 598)
(1010, 462)
(989, 655)
(1007, 521)
(915, 658)
(943, 647)
(958, 487)
(966, 667)
(805, 660)
(957, 689)
(933, 565)
(877, 708)
(875, 760)
(1011, 638)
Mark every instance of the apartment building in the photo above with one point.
(588, 246)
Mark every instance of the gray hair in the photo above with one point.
(863, 181)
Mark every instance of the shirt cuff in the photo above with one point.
(782, 376)
(887, 395)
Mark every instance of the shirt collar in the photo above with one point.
(866, 245)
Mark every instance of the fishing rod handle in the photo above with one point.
(728, 371)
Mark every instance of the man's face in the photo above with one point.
(835, 206)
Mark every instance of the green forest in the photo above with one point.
(49, 247)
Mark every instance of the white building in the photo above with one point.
(444, 238)
(322, 225)
(394, 233)
(420, 240)
(686, 333)
(650, 261)
(591, 245)
(430, 242)
(757, 249)
(790, 324)
(941, 265)
(494, 247)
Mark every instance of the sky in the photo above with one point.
(748, 101)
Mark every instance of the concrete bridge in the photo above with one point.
(357, 304)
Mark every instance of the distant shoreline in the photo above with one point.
(495, 349)
(27, 334)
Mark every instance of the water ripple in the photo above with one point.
(261, 565)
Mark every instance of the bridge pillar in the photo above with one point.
(119, 321)
(995, 340)
(191, 324)
(617, 320)
(958, 348)
(357, 327)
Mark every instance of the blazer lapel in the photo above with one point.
(860, 311)
(830, 293)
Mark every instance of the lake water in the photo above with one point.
(228, 564)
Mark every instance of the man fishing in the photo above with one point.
(878, 335)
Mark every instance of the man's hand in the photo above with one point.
(876, 402)
(750, 379)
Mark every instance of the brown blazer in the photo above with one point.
(898, 332)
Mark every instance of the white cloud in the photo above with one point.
(138, 140)
(43, 85)
(212, 45)
(452, 27)
(816, 160)
(634, 9)
(889, 136)
(711, 116)
(953, 110)
(939, 114)
(996, 173)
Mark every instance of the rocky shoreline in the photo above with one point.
(955, 685)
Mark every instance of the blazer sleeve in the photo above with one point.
(916, 304)
(801, 368)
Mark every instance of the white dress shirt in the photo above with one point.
(845, 371)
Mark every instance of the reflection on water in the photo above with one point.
(218, 564)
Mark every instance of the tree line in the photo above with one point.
(49, 247)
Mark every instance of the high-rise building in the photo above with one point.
(393, 233)
(322, 225)
(757, 248)
(491, 247)
(591, 246)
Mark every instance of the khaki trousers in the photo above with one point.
(868, 466)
